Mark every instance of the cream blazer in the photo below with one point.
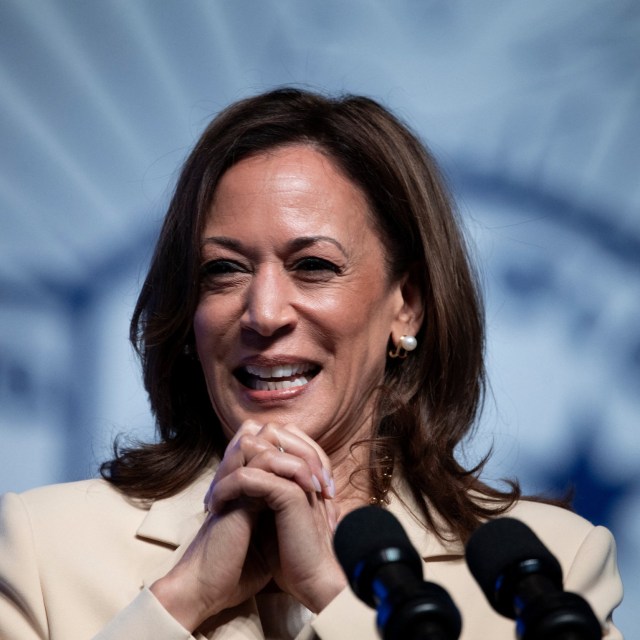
(76, 560)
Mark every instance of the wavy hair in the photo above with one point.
(430, 400)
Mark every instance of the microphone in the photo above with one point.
(522, 580)
(385, 571)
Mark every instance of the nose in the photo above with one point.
(269, 309)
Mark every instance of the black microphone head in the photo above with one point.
(503, 551)
(367, 538)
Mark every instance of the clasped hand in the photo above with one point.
(271, 516)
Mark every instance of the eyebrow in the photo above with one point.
(294, 245)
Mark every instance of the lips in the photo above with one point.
(278, 377)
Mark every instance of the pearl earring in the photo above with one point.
(406, 344)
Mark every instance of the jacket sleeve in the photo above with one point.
(22, 611)
(144, 619)
(594, 574)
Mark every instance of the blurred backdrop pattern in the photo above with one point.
(532, 108)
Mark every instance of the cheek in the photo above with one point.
(210, 324)
(201, 327)
(365, 319)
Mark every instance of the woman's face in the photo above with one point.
(295, 309)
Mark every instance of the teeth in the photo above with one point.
(279, 371)
(272, 385)
(284, 376)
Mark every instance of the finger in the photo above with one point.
(234, 456)
(287, 466)
(256, 452)
(324, 458)
(248, 426)
(247, 482)
(253, 439)
(327, 470)
(269, 460)
(333, 514)
(274, 433)
(241, 452)
(293, 441)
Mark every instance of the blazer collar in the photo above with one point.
(174, 521)
(429, 545)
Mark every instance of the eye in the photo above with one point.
(313, 263)
(220, 268)
(222, 274)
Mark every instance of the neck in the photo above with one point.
(354, 477)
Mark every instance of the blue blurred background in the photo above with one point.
(532, 108)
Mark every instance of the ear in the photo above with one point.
(410, 310)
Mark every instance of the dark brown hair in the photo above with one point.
(430, 400)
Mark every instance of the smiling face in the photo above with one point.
(295, 309)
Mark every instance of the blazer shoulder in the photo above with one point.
(84, 505)
(546, 518)
(562, 531)
(85, 493)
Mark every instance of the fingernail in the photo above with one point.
(326, 476)
(332, 488)
(316, 483)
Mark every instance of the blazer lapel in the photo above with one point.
(428, 545)
(173, 523)
(176, 520)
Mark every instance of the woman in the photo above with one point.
(312, 341)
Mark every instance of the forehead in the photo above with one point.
(298, 184)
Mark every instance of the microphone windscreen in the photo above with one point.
(366, 531)
(501, 545)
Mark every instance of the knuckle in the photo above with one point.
(243, 474)
(264, 459)
(249, 426)
(270, 429)
(249, 444)
(245, 442)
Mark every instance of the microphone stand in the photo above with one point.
(543, 612)
(413, 609)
